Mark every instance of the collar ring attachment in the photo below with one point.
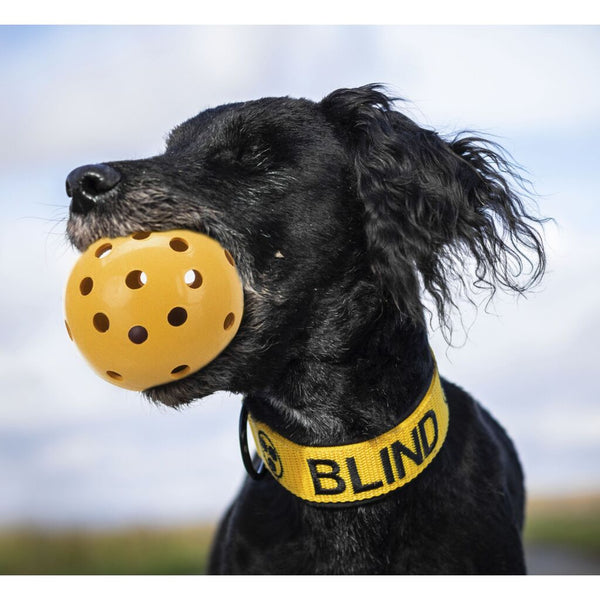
(255, 473)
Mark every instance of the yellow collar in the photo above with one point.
(360, 471)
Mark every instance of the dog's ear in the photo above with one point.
(433, 207)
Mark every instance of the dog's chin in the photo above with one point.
(202, 383)
(178, 393)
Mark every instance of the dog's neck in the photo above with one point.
(343, 397)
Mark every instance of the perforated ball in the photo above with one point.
(151, 308)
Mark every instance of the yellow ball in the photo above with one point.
(151, 308)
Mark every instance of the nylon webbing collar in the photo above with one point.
(330, 475)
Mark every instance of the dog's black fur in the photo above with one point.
(342, 215)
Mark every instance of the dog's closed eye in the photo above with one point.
(244, 152)
(228, 142)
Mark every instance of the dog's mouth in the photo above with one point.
(82, 232)
(138, 213)
(86, 231)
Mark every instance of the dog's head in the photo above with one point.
(339, 214)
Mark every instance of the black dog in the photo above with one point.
(341, 215)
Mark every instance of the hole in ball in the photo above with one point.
(177, 316)
(229, 258)
(114, 375)
(140, 235)
(103, 250)
(179, 244)
(193, 278)
(69, 331)
(101, 322)
(138, 334)
(86, 285)
(229, 319)
(136, 279)
(180, 370)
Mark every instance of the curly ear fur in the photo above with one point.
(431, 205)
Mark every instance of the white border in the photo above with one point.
(332, 12)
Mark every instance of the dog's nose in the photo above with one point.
(88, 184)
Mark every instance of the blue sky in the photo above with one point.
(75, 450)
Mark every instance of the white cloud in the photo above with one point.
(496, 78)
(93, 92)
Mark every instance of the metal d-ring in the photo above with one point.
(260, 471)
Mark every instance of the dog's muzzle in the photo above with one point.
(151, 308)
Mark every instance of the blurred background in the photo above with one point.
(94, 478)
